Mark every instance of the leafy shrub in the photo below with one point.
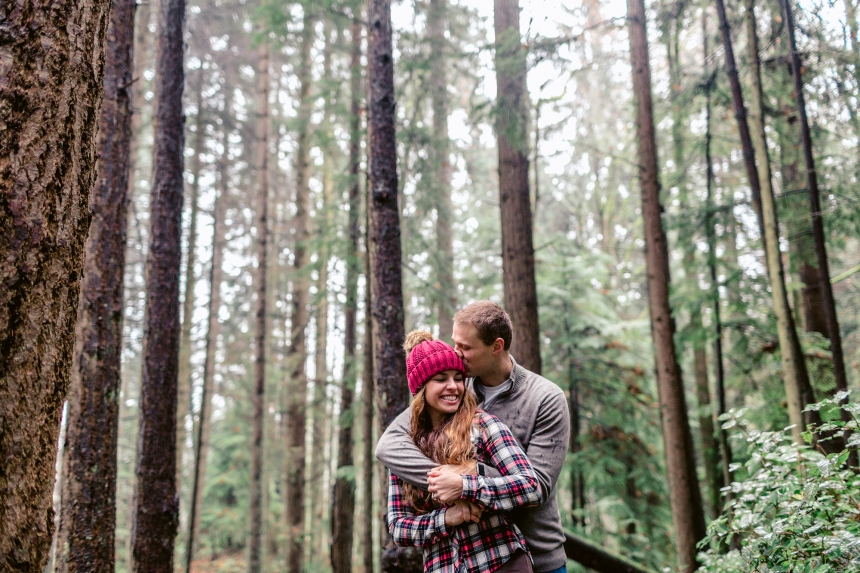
(797, 511)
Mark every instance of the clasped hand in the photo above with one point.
(462, 511)
(446, 482)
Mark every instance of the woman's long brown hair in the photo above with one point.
(450, 443)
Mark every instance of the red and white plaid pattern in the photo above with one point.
(484, 546)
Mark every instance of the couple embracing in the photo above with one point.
(475, 458)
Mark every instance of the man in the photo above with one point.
(531, 406)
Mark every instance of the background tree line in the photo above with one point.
(280, 190)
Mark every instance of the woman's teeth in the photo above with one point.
(449, 398)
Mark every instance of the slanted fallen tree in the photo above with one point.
(590, 554)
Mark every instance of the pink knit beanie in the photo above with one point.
(427, 357)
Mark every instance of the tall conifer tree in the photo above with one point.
(518, 257)
(684, 495)
(156, 513)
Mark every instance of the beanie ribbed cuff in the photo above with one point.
(429, 359)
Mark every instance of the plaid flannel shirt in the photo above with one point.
(484, 546)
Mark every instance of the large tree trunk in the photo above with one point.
(255, 529)
(343, 499)
(518, 257)
(157, 507)
(183, 395)
(203, 425)
(389, 361)
(49, 96)
(437, 23)
(684, 495)
(85, 540)
(797, 387)
(829, 303)
(294, 492)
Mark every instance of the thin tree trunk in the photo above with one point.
(143, 55)
(85, 540)
(294, 506)
(142, 50)
(684, 495)
(183, 400)
(437, 22)
(203, 425)
(367, 391)
(157, 507)
(255, 529)
(710, 448)
(343, 498)
(726, 457)
(321, 418)
(320, 400)
(808, 300)
(829, 303)
(577, 486)
(52, 71)
(518, 262)
(797, 387)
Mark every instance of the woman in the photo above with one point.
(470, 535)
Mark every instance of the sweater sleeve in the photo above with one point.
(549, 440)
(405, 526)
(518, 485)
(398, 452)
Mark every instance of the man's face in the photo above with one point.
(477, 356)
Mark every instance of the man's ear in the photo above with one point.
(498, 345)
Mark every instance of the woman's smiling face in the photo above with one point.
(444, 393)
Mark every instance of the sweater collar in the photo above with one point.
(516, 378)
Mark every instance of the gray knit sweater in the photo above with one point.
(536, 411)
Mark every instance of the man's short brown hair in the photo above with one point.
(489, 319)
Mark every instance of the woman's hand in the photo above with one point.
(461, 512)
(446, 482)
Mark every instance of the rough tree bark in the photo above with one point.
(687, 514)
(392, 395)
(203, 425)
(294, 492)
(518, 258)
(50, 93)
(157, 507)
(437, 23)
(343, 499)
(797, 387)
(255, 529)
(183, 395)
(85, 540)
